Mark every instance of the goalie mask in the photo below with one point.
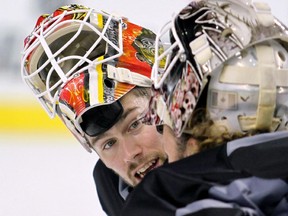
(205, 37)
(79, 62)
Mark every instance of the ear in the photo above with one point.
(192, 147)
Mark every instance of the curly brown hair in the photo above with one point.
(206, 132)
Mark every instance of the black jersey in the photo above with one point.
(107, 184)
(247, 176)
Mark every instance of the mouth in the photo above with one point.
(142, 171)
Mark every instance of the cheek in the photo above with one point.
(151, 137)
(170, 149)
(115, 164)
(170, 144)
(110, 161)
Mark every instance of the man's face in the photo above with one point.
(171, 146)
(131, 148)
(178, 148)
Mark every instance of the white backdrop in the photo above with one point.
(46, 174)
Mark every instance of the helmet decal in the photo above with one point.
(139, 43)
(184, 97)
(90, 88)
(75, 93)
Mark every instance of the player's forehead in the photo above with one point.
(135, 98)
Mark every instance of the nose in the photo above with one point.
(132, 149)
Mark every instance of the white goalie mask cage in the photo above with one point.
(67, 42)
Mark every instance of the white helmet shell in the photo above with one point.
(249, 91)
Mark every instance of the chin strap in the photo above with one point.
(200, 49)
(264, 14)
(267, 87)
(125, 75)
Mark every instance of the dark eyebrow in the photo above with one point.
(100, 136)
(127, 112)
(122, 118)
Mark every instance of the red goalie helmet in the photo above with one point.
(78, 59)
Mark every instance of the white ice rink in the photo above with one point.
(47, 174)
(51, 177)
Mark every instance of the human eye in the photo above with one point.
(109, 144)
(136, 124)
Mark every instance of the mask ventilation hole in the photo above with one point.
(109, 83)
(281, 56)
